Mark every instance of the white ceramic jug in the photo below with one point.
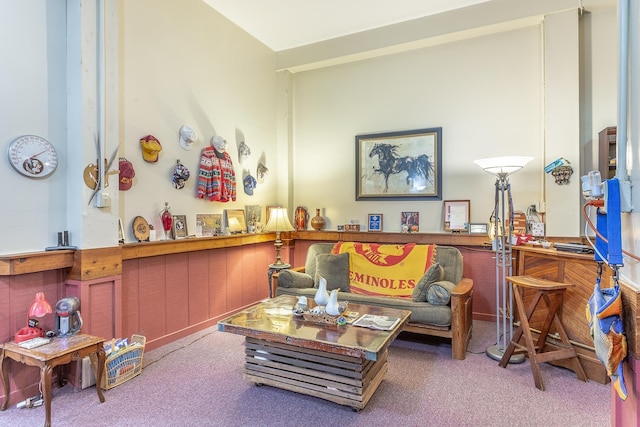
(332, 308)
(322, 296)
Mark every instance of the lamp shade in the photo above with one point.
(40, 306)
(278, 221)
(503, 165)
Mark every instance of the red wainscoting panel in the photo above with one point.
(234, 277)
(100, 305)
(217, 282)
(152, 301)
(481, 266)
(166, 297)
(130, 297)
(16, 295)
(177, 297)
(198, 287)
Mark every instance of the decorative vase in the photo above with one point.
(318, 222)
(322, 296)
(301, 218)
(332, 308)
(167, 220)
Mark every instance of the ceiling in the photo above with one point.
(285, 24)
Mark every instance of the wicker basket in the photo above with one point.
(124, 365)
(324, 318)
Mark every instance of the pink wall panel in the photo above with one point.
(234, 278)
(130, 297)
(217, 282)
(152, 285)
(249, 285)
(101, 311)
(264, 255)
(480, 264)
(198, 287)
(177, 297)
(7, 328)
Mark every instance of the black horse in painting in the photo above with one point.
(418, 168)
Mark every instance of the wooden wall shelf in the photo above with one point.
(33, 262)
(168, 247)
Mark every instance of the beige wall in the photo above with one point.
(486, 93)
(184, 63)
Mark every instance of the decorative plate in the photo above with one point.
(141, 229)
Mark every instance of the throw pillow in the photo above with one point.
(294, 279)
(334, 268)
(439, 293)
(433, 274)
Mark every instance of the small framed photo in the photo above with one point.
(375, 222)
(179, 227)
(254, 218)
(478, 228)
(456, 215)
(236, 221)
(208, 225)
(410, 222)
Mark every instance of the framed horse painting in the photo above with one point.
(399, 165)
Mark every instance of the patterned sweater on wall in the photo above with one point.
(216, 177)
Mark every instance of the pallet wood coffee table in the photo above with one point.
(342, 364)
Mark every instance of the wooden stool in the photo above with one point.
(552, 294)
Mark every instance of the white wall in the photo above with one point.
(182, 62)
(32, 89)
(483, 92)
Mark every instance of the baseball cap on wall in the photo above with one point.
(126, 174)
(150, 148)
(249, 184)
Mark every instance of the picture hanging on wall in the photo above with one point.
(399, 165)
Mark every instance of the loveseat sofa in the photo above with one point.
(440, 304)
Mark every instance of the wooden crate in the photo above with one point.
(345, 380)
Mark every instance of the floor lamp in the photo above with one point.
(502, 167)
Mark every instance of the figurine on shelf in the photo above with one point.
(167, 220)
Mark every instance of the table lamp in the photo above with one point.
(502, 167)
(279, 222)
(39, 308)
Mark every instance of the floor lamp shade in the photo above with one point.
(278, 222)
(502, 167)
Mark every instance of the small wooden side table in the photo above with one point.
(552, 294)
(59, 351)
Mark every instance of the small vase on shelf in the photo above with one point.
(167, 220)
(318, 222)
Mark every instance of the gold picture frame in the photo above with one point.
(235, 221)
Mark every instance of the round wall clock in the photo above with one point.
(33, 156)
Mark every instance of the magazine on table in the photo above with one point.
(372, 321)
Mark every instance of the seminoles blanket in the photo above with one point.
(389, 270)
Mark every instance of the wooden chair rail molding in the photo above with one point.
(33, 262)
(87, 263)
